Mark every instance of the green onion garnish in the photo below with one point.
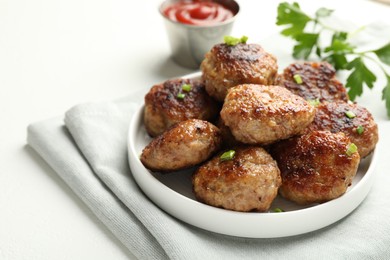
(298, 79)
(314, 102)
(227, 155)
(244, 39)
(350, 114)
(186, 87)
(232, 41)
(351, 149)
(278, 210)
(181, 96)
(360, 129)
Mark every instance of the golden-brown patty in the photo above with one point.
(184, 145)
(226, 66)
(164, 106)
(318, 81)
(353, 120)
(258, 114)
(315, 167)
(248, 182)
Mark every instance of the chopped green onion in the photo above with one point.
(227, 155)
(181, 96)
(350, 114)
(232, 41)
(278, 210)
(314, 102)
(244, 39)
(360, 129)
(351, 149)
(298, 79)
(186, 87)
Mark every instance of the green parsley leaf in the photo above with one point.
(384, 53)
(341, 36)
(339, 61)
(318, 51)
(278, 210)
(306, 42)
(338, 49)
(339, 44)
(292, 16)
(359, 76)
(386, 95)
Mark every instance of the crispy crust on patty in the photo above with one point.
(318, 81)
(227, 66)
(184, 145)
(258, 114)
(248, 182)
(315, 167)
(163, 108)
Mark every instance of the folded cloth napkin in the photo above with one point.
(89, 152)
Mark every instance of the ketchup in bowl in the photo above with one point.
(198, 12)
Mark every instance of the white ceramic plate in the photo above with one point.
(173, 193)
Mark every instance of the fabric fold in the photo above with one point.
(52, 141)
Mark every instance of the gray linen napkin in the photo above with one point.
(89, 152)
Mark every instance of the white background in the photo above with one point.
(55, 54)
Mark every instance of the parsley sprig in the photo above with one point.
(340, 52)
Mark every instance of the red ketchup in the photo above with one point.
(198, 12)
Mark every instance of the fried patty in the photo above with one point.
(226, 66)
(163, 106)
(315, 167)
(258, 114)
(247, 182)
(184, 145)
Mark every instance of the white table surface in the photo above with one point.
(55, 54)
